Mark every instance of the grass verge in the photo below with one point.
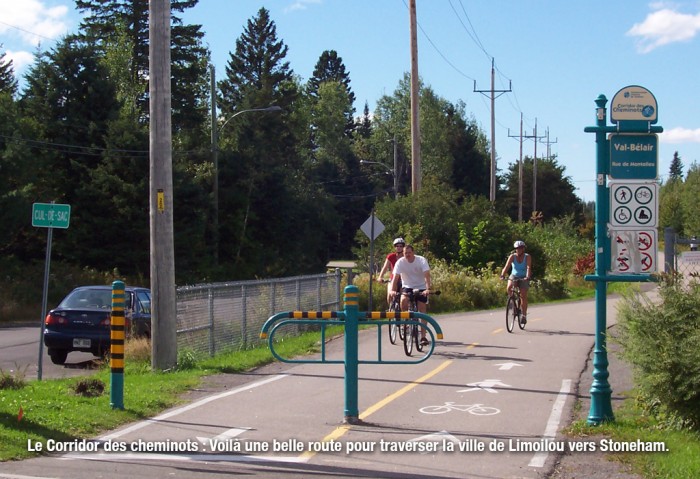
(681, 461)
(54, 409)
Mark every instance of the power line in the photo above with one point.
(27, 31)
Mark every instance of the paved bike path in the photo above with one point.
(497, 390)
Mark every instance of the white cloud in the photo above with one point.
(31, 21)
(680, 135)
(19, 59)
(301, 5)
(664, 26)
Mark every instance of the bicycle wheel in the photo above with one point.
(521, 323)
(479, 410)
(511, 313)
(408, 339)
(393, 328)
(435, 409)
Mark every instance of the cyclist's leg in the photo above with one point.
(404, 301)
(422, 308)
(524, 286)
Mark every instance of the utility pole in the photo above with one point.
(415, 124)
(215, 160)
(520, 170)
(549, 143)
(534, 170)
(163, 310)
(493, 96)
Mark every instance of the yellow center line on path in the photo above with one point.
(341, 430)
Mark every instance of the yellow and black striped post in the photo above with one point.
(117, 339)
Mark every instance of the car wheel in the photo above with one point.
(58, 356)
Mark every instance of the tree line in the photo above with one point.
(293, 188)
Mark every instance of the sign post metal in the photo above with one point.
(48, 215)
(632, 147)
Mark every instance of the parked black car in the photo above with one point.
(81, 322)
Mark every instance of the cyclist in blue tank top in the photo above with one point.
(520, 265)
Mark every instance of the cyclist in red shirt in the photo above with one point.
(389, 264)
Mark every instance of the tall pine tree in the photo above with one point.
(676, 170)
(106, 20)
(8, 82)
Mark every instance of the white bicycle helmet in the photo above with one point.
(399, 241)
(519, 244)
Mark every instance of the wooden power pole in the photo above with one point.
(415, 104)
(163, 309)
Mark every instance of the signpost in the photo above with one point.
(48, 215)
(626, 213)
(372, 227)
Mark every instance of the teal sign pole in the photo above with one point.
(630, 120)
(601, 393)
(352, 302)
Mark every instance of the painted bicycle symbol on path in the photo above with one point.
(476, 409)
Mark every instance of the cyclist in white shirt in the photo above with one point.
(414, 273)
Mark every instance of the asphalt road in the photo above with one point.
(19, 354)
(480, 407)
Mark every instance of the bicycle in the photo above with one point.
(395, 307)
(476, 409)
(411, 334)
(513, 310)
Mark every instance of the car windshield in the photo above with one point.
(88, 299)
(144, 298)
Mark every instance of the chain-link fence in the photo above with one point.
(221, 317)
(681, 254)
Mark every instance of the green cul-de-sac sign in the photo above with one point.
(50, 215)
(634, 156)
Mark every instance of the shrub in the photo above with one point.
(10, 380)
(585, 264)
(89, 387)
(661, 341)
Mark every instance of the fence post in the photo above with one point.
(212, 343)
(352, 302)
(117, 336)
(669, 250)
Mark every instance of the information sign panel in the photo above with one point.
(634, 104)
(633, 250)
(634, 204)
(634, 156)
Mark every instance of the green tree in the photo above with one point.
(330, 68)
(70, 96)
(555, 191)
(8, 82)
(106, 21)
(265, 191)
(689, 201)
(671, 206)
(676, 169)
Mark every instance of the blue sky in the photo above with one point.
(556, 56)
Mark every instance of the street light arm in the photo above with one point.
(388, 170)
(268, 109)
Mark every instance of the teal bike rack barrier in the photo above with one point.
(351, 319)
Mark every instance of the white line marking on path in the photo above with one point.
(132, 456)
(550, 432)
(175, 412)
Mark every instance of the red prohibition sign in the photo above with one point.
(622, 263)
(647, 262)
(644, 240)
